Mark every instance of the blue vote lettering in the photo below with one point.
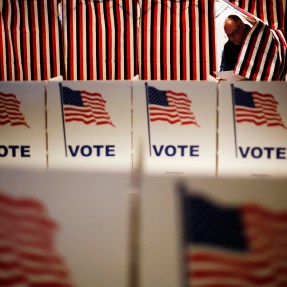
(171, 150)
(263, 152)
(94, 150)
(15, 150)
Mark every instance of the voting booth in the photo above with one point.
(89, 125)
(22, 125)
(85, 224)
(173, 129)
(169, 127)
(252, 129)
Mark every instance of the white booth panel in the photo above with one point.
(89, 125)
(175, 130)
(252, 129)
(22, 125)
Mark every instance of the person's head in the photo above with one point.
(234, 29)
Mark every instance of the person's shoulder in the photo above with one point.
(228, 45)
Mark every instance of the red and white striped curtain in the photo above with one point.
(263, 56)
(271, 12)
(177, 39)
(29, 40)
(100, 39)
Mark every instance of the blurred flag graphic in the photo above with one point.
(27, 246)
(233, 245)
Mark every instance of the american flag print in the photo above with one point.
(86, 107)
(228, 245)
(177, 40)
(169, 106)
(28, 256)
(10, 113)
(30, 40)
(257, 108)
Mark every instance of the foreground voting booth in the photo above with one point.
(23, 125)
(252, 129)
(173, 127)
(78, 229)
(89, 125)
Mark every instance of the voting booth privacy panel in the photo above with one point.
(22, 125)
(71, 229)
(252, 129)
(63, 229)
(173, 131)
(89, 125)
(213, 233)
(167, 127)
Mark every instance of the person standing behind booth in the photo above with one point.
(236, 31)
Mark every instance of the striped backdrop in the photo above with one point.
(100, 39)
(272, 12)
(267, 63)
(29, 40)
(177, 39)
(264, 53)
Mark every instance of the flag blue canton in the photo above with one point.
(243, 98)
(72, 97)
(206, 223)
(157, 97)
